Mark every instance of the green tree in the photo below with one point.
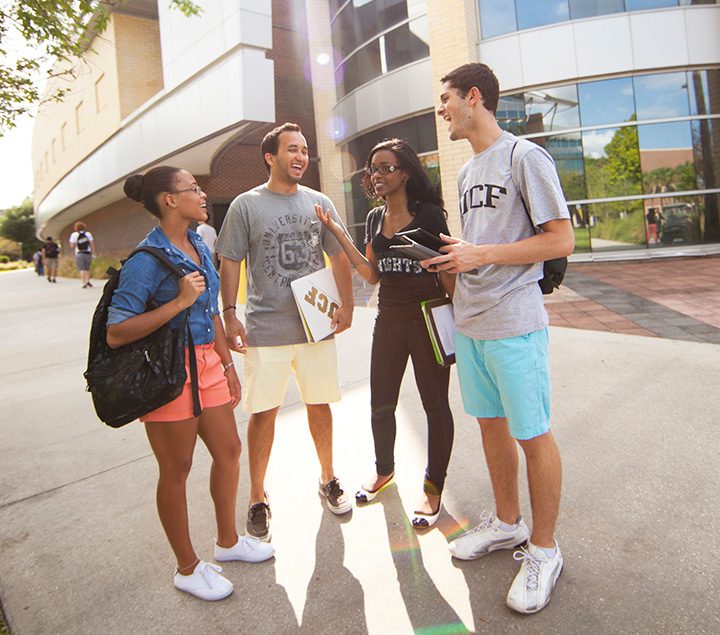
(18, 224)
(52, 31)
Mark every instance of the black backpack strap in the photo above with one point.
(517, 187)
(160, 255)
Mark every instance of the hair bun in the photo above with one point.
(133, 187)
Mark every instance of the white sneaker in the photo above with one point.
(533, 585)
(205, 582)
(486, 537)
(247, 549)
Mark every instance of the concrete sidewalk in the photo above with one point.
(82, 550)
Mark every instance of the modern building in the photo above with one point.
(624, 94)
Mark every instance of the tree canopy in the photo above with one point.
(51, 31)
(17, 224)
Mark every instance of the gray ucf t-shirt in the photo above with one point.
(502, 301)
(282, 240)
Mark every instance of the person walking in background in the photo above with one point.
(394, 174)
(38, 262)
(502, 339)
(82, 241)
(209, 235)
(273, 227)
(51, 253)
(174, 197)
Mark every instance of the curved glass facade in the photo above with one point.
(418, 131)
(373, 37)
(498, 17)
(638, 157)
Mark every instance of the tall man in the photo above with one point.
(275, 229)
(501, 344)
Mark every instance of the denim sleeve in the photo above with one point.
(139, 278)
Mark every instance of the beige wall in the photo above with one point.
(324, 98)
(447, 53)
(101, 92)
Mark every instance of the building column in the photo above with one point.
(450, 47)
(321, 65)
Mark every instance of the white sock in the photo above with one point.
(507, 528)
(550, 553)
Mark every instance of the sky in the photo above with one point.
(17, 177)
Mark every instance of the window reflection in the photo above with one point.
(359, 68)
(361, 20)
(511, 114)
(666, 157)
(617, 226)
(589, 8)
(532, 13)
(607, 101)
(612, 162)
(567, 152)
(497, 17)
(639, 5)
(706, 152)
(704, 89)
(407, 43)
(550, 109)
(662, 95)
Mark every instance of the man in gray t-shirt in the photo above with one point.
(274, 229)
(501, 340)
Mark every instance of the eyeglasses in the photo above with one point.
(195, 188)
(383, 169)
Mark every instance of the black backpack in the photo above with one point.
(51, 250)
(137, 378)
(83, 242)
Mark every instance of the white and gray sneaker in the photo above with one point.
(246, 549)
(531, 589)
(488, 536)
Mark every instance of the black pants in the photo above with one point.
(394, 340)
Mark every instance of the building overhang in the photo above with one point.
(184, 127)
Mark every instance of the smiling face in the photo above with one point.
(456, 110)
(189, 199)
(384, 181)
(292, 158)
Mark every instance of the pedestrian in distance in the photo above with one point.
(209, 235)
(38, 262)
(502, 338)
(394, 174)
(83, 243)
(273, 228)
(175, 198)
(51, 254)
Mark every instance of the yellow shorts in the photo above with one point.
(267, 370)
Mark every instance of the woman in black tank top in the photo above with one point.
(394, 174)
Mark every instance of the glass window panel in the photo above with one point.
(532, 13)
(497, 17)
(511, 114)
(607, 101)
(706, 152)
(589, 8)
(567, 152)
(709, 211)
(407, 43)
(359, 68)
(357, 206)
(674, 221)
(616, 226)
(552, 109)
(612, 162)
(704, 88)
(684, 3)
(662, 95)
(639, 5)
(666, 157)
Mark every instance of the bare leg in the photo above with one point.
(320, 423)
(219, 433)
(502, 461)
(260, 435)
(544, 470)
(173, 443)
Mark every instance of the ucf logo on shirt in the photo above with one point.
(485, 195)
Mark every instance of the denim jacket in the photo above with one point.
(143, 279)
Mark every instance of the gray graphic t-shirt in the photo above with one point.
(502, 301)
(282, 240)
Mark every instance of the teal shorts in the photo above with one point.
(507, 378)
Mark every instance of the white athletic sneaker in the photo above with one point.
(247, 549)
(205, 582)
(533, 585)
(486, 537)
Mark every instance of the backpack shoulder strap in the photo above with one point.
(160, 255)
(518, 153)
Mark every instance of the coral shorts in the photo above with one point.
(212, 384)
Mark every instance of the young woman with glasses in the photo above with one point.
(147, 297)
(394, 174)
